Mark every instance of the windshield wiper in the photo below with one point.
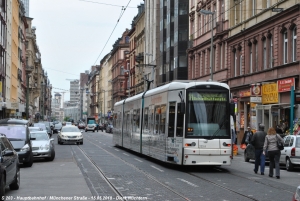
(220, 126)
(15, 139)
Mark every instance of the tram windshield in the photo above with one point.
(206, 115)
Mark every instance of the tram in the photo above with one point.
(183, 123)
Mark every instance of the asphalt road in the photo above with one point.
(77, 174)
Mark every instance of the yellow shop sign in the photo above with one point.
(269, 93)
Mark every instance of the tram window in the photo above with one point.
(146, 128)
(128, 122)
(179, 122)
(172, 107)
(137, 120)
(156, 121)
(162, 124)
(151, 121)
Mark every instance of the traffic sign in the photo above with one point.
(277, 9)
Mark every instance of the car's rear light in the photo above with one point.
(297, 194)
(293, 151)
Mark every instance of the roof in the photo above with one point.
(14, 121)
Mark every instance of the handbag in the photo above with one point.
(243, 146)
(279, 144)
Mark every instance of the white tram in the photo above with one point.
(183, 122)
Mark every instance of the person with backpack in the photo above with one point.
(247, 136)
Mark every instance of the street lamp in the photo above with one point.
(207, 12)
(28, 71)
(126, 71)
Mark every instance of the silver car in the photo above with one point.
(42, 145)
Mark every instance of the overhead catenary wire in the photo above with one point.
(122, 12)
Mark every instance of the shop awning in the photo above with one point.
(274, 106)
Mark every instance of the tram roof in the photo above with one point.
(174, 85)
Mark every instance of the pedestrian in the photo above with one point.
(270, 148)
(257, 141)
(279, 131)
(247, 136)
(97, 127)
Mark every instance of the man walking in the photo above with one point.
(258, 141)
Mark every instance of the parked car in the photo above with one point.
(290, 155)
(34, 129)
(296, 196)
(9, 166)
(57, 126)
(81, 125)
(109, 128)
(42, 145)
(70, 134)
(48, 127)
(17, 132)
(249, 153)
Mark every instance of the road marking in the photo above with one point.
(189, 183)
(125, 154)
(116, 149)
(157, 168)
(138, 160)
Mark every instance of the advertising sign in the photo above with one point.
(246, 93)
(297, 98)
(255, 90)
(269, 93)
(285, 84)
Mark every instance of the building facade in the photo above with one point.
(152, 42)
(3, 56)
(256, 52)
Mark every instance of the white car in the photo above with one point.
(70, 134)
(290, 155)
(42, 145)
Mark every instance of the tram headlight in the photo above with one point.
(190, 130)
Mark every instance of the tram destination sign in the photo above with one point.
(207, 97)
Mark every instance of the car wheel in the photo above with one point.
(289, 165)
(2, 187)
(52, 156)
(246, 159)
(85, 131)
(16, 183)
(30, 162)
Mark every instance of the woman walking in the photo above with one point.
(274, 153)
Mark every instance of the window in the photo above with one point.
(182, 61)
(250, 60)
(294, 43)
(285, 47)
(235, 64)
(253, 7)
(271, 52)
(241, 64)
(264, 54)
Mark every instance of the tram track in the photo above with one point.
(269, 185)
(224, 187)
(111, 185)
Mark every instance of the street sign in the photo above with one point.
(277, 9)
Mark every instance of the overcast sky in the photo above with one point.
(71, 34)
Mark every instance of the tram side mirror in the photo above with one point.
(232, 107)
(182, 107)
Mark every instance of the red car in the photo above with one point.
(81, 125)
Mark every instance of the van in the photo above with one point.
(17, 132)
